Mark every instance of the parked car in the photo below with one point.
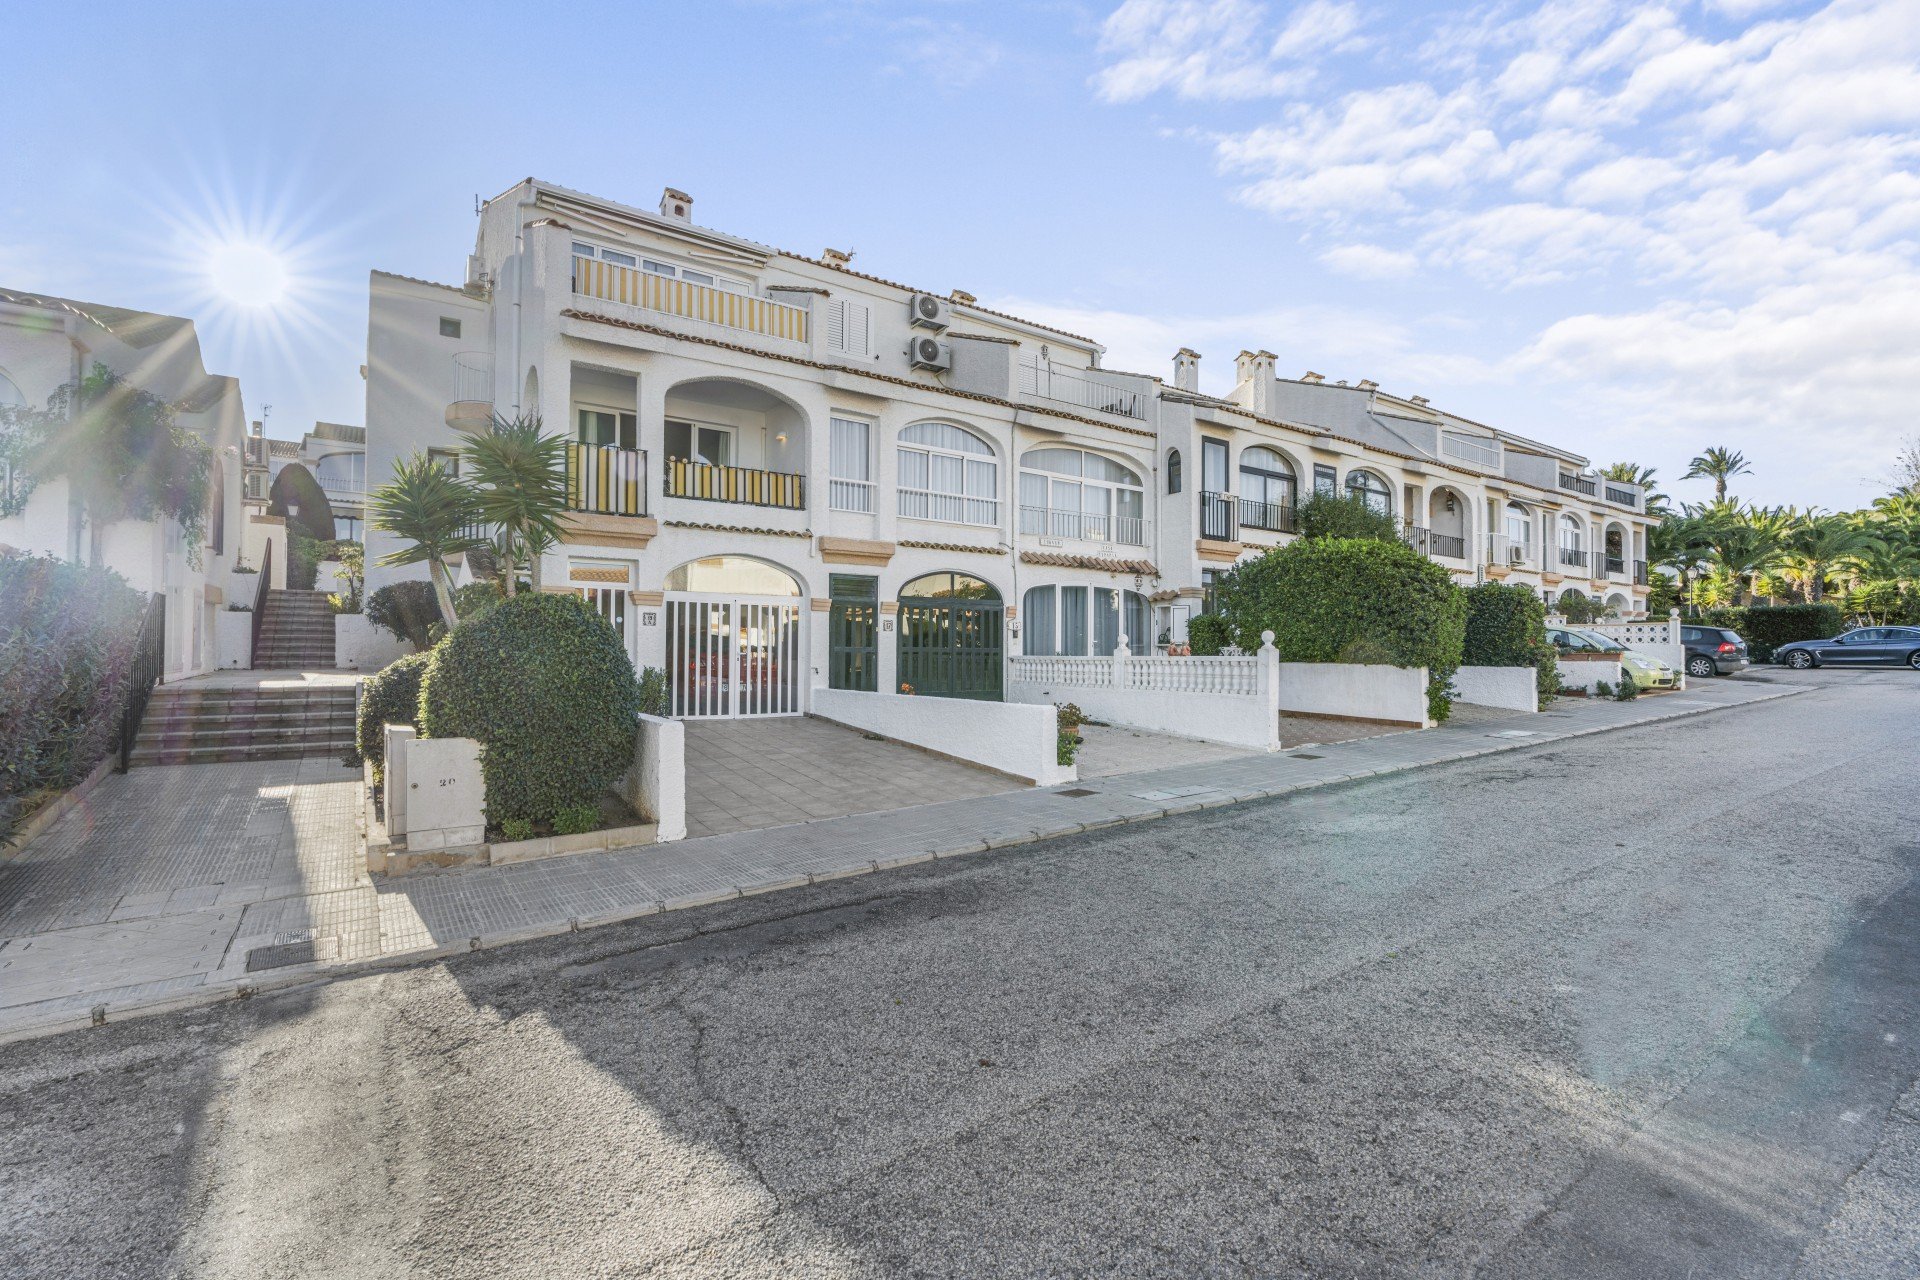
(1860, 647)
(1574, 640)
(1646, 672)
(1713, 651)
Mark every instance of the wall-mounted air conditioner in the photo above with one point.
(929, 353)
(1516, 555)
(928, 312)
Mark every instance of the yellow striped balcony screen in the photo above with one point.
(607, 479)
(597, 279)
(711, 483)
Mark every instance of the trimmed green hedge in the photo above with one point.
(67, 640)
(1765, 627)
(1207, 635)
(544, 681)
(409, 610)
(1351, 600)
(390, 696)
(1341, 515)
(1507, 627)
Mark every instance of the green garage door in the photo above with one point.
(952, 629)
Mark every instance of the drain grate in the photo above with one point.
(1302, 755)
(293, 949)
(1078, 791)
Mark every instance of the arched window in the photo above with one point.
(948, 474)
(1573, 541)
(10, 393)
(949, 586)
(1519, 527)
(1069, 493)
(733, 576)
(1372, 490)
(1075, 621)
(1267, 490)
(1173, 471)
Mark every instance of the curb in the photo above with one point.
(326, 972)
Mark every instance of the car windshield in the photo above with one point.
(1570, 640)
(1605, 644)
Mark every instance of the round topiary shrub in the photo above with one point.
(543, 681)
(390, 696)
(1507, 627)
(408, 609)
(1207, 635)
(1357, 600)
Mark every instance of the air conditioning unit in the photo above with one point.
(929, 312)
(929, 353)
(1516, 554)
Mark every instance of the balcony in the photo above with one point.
(606, 480)
(1505, 553)
(1274, 517)
(593, 278)
(1085, 388)
(1625, 497)
(1573, 558)
(1616, 567)
(1470, 449)
(1051, 522)
(1579, 484)
(470, 407)
(1217, 520)
(747, 486)
(1427, 542)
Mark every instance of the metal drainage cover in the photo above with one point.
(278, 955)
(1302, 755)
(1078, 791)
(1516, 733)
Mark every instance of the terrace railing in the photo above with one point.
(149, 667)
(1088, 526)
(606, 479)
(594, 278)
(1274, 517)
(1217, 520)
(710, 482)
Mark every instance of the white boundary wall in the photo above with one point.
(1004, 736)
(656, 785)
(1583, 674)
(1656, 638)
(1511, 688)
(1352, 691)
(1218, 699)
(358, 645)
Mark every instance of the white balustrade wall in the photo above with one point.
(1654, 637)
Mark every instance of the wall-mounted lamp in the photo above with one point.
(781, 438)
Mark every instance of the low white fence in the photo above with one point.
(1654, 637)
(1350, 691)
(1023, 741)
(1583, 673)
(1510, 688)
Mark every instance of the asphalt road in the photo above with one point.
(1642, 1004)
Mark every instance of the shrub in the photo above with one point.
(1765, 627)
(576, 819)
(1339, 515)
(1207, 635)
(407, 609)
(1351, 600)
(1602, 689)
(391, 696)
(304, 555)
(1066, 746)
(1627, 691)
(1577, 607)
(653, 693)
(1507, 627)
(472, 600)
(1069, 717)
(516, 829)
(543, 681)
(67, 640)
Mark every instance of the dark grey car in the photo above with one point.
(1713, 651)
(1860, 647)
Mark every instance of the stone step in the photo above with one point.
(285, 720)
(332, 749)
(250, 736)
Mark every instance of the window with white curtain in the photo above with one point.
(1519, 526)
(850, 478)
(948, 474)
(1082, 621)
(1069, 493)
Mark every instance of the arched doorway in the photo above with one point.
(735, 639)
(952, 637)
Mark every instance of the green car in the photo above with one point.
(1648, 673)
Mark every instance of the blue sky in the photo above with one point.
(1635, 229)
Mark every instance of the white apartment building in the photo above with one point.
(790, 474)
(48, 342)
(334, 452)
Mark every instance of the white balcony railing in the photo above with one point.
(1468, 449)
(1051, 522)
(1082, 387)
(594, 278)
(850, 495)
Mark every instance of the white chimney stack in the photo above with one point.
(676, 204)
(1253, 372)
(1186, 369)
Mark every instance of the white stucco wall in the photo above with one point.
(1243, 720)
(1355, 691)
(232, 638)
(656, 785)
(1512, 688)
(358, 645)
(1010, 738)
(1584, 674)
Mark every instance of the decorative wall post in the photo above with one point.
(1122, 661)
(1269, 692)
(1673, 626)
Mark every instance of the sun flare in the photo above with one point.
(247, 274)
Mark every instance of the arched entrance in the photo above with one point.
(952, 637)
(735, 639)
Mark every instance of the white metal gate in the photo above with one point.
(729, 657)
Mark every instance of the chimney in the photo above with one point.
(1368, 384)
(1186, 369)
(836, 257)
(1419, 399)
(676, 204)
(962, 297)
(1253, 373)
(259, 427)
(1311, 376)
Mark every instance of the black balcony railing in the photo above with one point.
(606, 479)
(1573, 558)
(1640, 573)
(710, 482)
(1217, 518)
(1429, 543)
(1579, 484)
(1625, 497)
(1274, 517)
(1616, 565)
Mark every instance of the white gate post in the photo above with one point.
(1122, 656)
(1673, 626)
(1269, 690)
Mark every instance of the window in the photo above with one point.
(448, 460)
(608, 427)
(618, 259)
(1173, 471)
(849, 326)
(1213, 465)
(700, 442)
(1372, 490)
(1209, 590)
(947, 474)
(1519, 525)
(949, 586)
(733, 576)
(1266, 487)
(1068, 493)
(449, 327)
(850, 478)
(1082, 621)
(1324, 483)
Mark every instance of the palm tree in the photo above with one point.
(520, 482)
(433, 513)
(1817, 544)
(1635, 474)
(1718, 464)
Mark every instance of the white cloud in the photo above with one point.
(1217, 49)
(1370, 261)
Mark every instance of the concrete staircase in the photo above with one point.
(296, 633)
(186, 724)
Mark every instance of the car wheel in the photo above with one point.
(1700, 667)
(1799, 659)
(1913, 659)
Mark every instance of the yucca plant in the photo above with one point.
(519, 478)
(432, 513)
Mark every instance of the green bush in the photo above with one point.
(296, 487)
(1577, 607)
(544, 682)
(1765, 627)
(653, 693)
(1066, 746)
(390, 696)
(576, 819)
(516, 829)
(304, 555)
(1351, 600)
(472, 600)
(1330, 515)
(67, 639)
(409, 610)
(1507, 627)
(1207, 635)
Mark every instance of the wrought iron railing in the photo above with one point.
(1217, 520)
(1625, 497)
(606, 479)
(148, 669)
(1616, 565)
(1640, 573)
(710, 482)
(260, 592)
(1275, 517)
(1082, 387)
(1573, 558)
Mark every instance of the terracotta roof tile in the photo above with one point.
(954, 546)
(1062, 560)
(738, 528)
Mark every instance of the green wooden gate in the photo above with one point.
(853, 626)
(952, 648)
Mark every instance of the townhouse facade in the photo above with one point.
(334, 452)
(788, 474)
(48, 342)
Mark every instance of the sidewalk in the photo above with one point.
(219, 880)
